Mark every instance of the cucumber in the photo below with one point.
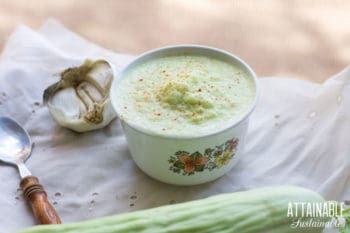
(262, 210)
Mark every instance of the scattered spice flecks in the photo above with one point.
(58, 194)
(93, 201)
(91, 204)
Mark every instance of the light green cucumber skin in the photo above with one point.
(262, 210)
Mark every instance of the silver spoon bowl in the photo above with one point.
(15, 145)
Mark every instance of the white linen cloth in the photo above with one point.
(299, 134)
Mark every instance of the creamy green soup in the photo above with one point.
(184, 95)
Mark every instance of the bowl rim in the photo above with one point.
(160, 50)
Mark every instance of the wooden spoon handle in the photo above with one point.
(35, 194)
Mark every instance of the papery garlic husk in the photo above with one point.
(80, 100)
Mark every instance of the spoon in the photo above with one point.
(15, 148)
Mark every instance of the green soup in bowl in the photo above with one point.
(184, 110)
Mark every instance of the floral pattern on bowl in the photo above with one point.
(185, 163)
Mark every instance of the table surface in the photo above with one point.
(301, 39)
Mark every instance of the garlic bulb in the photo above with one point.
(80, 100)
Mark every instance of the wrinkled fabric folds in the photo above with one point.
(299, 135)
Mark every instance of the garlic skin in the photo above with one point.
(80, 100)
